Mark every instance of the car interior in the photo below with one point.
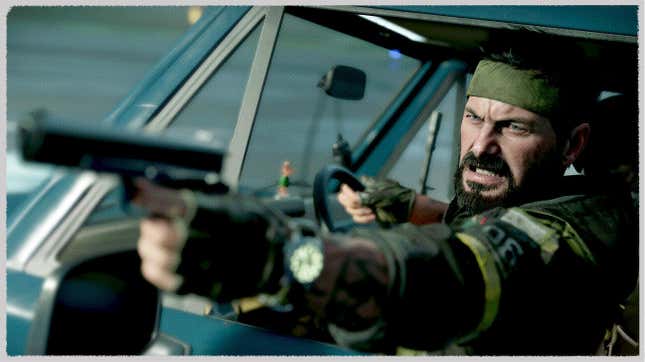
(99, 282)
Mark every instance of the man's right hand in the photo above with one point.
(388, 202)
(383, 200)
(351, 201)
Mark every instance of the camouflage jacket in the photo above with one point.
(542, 278)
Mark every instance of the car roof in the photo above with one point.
(615, 19)
(606, 35)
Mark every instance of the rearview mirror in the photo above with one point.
(344, 82)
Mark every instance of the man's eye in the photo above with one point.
(472, 117)
(517, 128)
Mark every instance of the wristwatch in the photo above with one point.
(303, 258)
(303, 261)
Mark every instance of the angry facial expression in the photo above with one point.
(506, 152)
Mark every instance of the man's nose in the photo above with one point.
(486, 141)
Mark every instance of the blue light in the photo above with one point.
(394, 54)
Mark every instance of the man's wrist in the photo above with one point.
(426, 210)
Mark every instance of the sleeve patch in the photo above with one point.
(541, 234)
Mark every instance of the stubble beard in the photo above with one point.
(539, 180)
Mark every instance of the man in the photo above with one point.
(522, 261)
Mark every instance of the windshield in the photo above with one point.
(297, 121)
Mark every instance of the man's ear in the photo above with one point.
(578, 140)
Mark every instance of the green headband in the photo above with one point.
(520, 88)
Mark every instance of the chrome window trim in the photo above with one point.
(99, 239)
(483, 23)
(230, 42)
(252, 95)
(43, 261)
(19, 311)
(39, 330)
(41, 233)
(21, 214)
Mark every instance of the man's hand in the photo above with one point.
(160, 244)
(390, 203)
(385, 201)
(220, 246)
(162, 237)
(351, 201)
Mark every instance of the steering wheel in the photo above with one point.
(321, 183)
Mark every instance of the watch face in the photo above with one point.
(306, 261)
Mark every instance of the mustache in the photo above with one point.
(486, 161)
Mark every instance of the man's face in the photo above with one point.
(506, 152)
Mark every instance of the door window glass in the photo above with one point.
(212, 112)
(409, 167)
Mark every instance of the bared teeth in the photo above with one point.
(485, 172)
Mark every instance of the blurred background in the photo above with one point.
(80, 61)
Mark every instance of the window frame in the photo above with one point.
(269, 18)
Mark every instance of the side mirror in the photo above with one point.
(344, 82)
(100, 306)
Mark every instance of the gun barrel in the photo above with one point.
(44, 139)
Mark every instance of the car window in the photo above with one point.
(296, 120)
(212, 113)
(409, 167)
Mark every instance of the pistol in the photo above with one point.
(160, 158)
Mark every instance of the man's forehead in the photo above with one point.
(499, 110)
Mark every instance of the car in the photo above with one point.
(377, 89)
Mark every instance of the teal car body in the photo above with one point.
(64, 226)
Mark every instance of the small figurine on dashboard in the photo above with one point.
(283, 182)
